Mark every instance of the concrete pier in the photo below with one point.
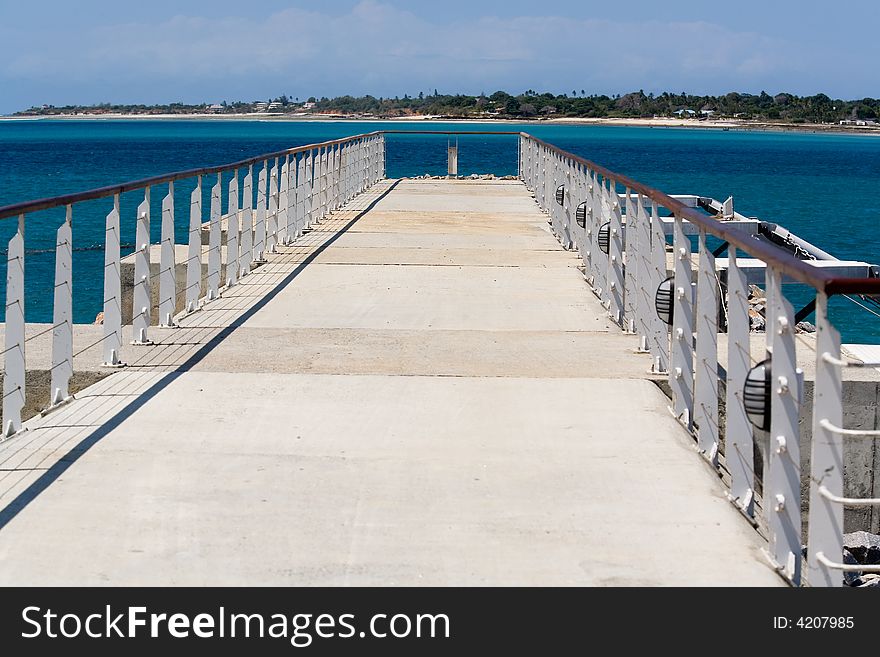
(421, 391)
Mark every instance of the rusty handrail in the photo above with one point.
(102, 192)
(797, 269)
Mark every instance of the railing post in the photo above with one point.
(615, 256)
(580, 234)
(167, 283)
(659, 342)
(214, 235)
(337, 176)
(536, 168)
(706, 374)
(285, 191)
(630, 263)
(233, 264)
(595, 214)
(246, 245)
(112, 290)
(194, 254)
(290, 199)
(272, 217)
(545, 178)
(825, 532)
(321, 175)
(681, 374)
(142, 302)
(62, 313)
(645, 287)
(310, 192)
(739, 438)
(302, 192)
(782, 481)
(565, 210)
(260, 224)
(14, 361)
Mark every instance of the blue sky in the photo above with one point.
(90, 51)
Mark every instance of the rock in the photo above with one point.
(850, 578)
(805, 327)
(869, 581)
(864, 547)
(756, 321)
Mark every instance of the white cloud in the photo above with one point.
(377, 48)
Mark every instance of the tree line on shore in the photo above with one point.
(783, 107)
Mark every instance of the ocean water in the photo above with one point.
(824, 187)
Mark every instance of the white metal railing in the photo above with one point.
(614, 223)
(616, 226)
(296, 188)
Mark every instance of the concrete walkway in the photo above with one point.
(421, 392)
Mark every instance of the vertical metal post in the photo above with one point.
(645, 286)
(260, 227)
(112, 290)
(272, 216)
(321, 175)
(246, 246)
(826, 463)
(290, 199)
(284, 192)
(659, 341)
(630, 262)
(336, 176)
(233, 264)
(194, 253)
(301, 197)
(706, 373)
(615, 256)
(309, 192)
(595, 218)
(681, 374)
(214, 235)
(142, 302)
(739, 439)
(167, 283)
(62, 313)
(452, 158)
(14, 365)
(566, 209)
(782, 480)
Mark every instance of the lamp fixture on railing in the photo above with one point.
(560, 194)
(663, 301)
(756, 395)
(604, 237)
(581, 215)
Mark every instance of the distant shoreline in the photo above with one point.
(730, 124)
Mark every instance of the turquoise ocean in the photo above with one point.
(824, 187)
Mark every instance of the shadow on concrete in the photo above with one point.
(28, 495)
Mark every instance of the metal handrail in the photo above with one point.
(103, 192)
(784, 262)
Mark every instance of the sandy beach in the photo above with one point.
(655, 122)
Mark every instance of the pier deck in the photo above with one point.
(421, 391)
